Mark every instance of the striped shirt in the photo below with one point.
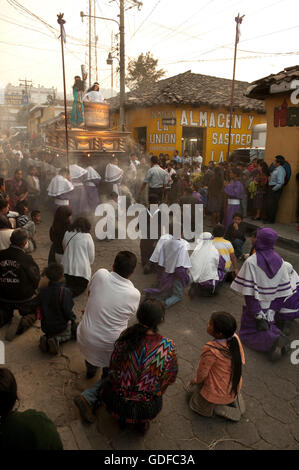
(225, 249)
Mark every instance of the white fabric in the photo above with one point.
(79, 253)
(253, 281)
(174, 254)
(205, 260)
(61, 202)
(94, 97)
(113, 173)
(233, 202)
(112, 301)
(59, 185)
(156, 253)
(77, 171)
(36, 181)
(294, 278)
(5, 238)
(92, 174)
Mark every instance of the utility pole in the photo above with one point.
(122, 64)
(95, 39)
(89, 43)
(61, 22)
(27, 86)
(238, 21)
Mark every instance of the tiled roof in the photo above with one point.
(261, 88)
(191, 88)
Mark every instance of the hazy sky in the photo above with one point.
(195, 35)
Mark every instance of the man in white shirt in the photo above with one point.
(156, 178)
(198, 158)
(112, 301)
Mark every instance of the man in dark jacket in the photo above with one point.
(19, 279)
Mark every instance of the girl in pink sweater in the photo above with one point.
(216, 387)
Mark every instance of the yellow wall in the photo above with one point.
(165, 139)
(283, 141)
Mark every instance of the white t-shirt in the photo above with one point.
(112, 301)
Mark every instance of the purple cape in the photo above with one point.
(269, 261)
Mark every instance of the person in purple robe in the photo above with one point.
(235, 193)
(79, 201)
(92, 187)
(208, 267)
(269, 293)
(60, 189)
(172, 259)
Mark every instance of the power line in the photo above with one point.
(142, 23)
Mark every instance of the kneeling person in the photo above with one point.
(19, 279)
(58, 320)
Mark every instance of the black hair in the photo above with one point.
(236, 172)
(17, 170)
(225, 324)
(20, 207)
(8, 392)
(238, 214)
(2, 181)
(54, 272)
(150, 314)
(19, 236)
(3, 204)
(154, 159)
(124, 263)
(34, 213)
(219, 230)
(280, 159)
(63, 171)
(81, 224)
(61, 219)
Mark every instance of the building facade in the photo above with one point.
(190, 112)
(281, 94)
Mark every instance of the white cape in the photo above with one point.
(156, 253)
(174, 254)
(77, 171)
(253, 281)
(94, 97)
(92, 174)
(205, 260)
(113, 173)
(59, 185)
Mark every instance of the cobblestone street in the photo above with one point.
(271, 391)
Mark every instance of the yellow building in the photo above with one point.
(281, 94)
(190, 112)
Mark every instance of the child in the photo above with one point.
(23, 221)
(56, 309)
(36, 217)
(236, 234)
(216, 388)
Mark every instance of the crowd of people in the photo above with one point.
(138, 363)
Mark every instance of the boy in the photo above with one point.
(236, 234)
(226, 250)
(56, 309)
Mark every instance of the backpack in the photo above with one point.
(288, 171)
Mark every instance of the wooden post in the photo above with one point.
(61, 22)
(238, 20)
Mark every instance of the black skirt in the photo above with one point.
(130, 411)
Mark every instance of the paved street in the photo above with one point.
(50, 383)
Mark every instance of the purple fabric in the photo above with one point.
(269, 261)
(93, 197)
(62, 196)
(234, 190)
(258, 340)
(197, 196)
(78, 200)
(291, 303)
(166, 280)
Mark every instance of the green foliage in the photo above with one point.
(143, 71)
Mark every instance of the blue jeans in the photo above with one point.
(91, 395)
(176, 295)
(238, 245)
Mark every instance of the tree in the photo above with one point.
(143, 71)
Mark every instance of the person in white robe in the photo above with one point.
(113, 176)
(60, 189)
(94, 95)
(79, 200)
